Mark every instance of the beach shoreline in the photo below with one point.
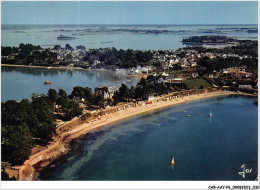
(60, 144)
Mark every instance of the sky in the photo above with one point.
(133, 12)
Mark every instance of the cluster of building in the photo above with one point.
(167, 60)
(237, 72)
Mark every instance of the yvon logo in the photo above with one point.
(245, 171)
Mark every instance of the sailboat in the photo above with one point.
(210, 113)
(173, 161)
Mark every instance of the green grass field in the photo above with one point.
(196, 83)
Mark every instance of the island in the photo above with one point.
(209, 40)
(62, 37)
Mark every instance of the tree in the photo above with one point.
(57, 47)
(52, 95)
(131, 92)
(115, 100)
(71, 110)
(81, 92)
(81, 47)
(63, 94)
(78, 91)
(97, 100)
(88, 94)
(139, 92)
(43, 109)
(67, 46)
(16, 143)
(8, 112)
(123, 92)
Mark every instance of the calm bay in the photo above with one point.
(46, 35)
(141, 147)
(18, 82)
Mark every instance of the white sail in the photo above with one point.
(210, 114)
(173, 161)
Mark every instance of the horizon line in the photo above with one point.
(126, 24)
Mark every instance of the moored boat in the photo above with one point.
(47, 82)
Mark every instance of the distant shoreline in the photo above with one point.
(75, 68)
(41, 67)
(131, 24)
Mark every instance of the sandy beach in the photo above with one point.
(132, 111)
(58, 146)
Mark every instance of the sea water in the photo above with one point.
(19, 82)
(46, 36)
(142, 147)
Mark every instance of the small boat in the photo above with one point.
(210, 114)
(47, 82)
(173, 161)
(188, 115)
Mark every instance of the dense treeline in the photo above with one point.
(208, 39)
(245, 47)
(145, 88)
(6, 51)
(28, 54)
(25, 123)
(121, 58)
(221, 63)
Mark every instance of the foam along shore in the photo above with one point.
(60, 146)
